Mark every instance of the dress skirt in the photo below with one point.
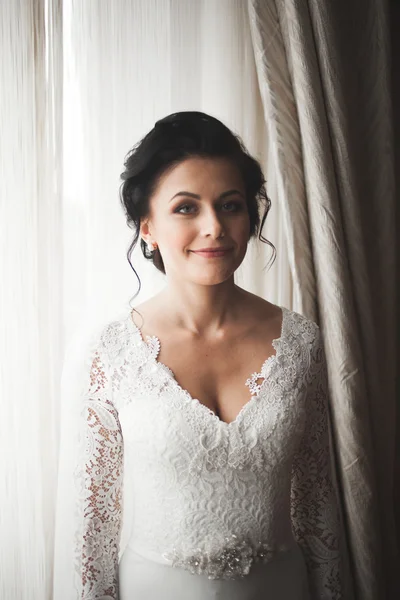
(283, 578)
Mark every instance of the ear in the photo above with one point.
(145, 229)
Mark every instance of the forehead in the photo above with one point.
(203, 176)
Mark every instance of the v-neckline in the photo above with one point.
(153, 340)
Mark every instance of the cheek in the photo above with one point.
(177, 235)
(241, 228)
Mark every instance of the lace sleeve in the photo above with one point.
(314, 510)
(98, 539)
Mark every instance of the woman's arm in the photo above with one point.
(314, 510)
(98, 537)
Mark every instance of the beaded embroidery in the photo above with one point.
(233, 562)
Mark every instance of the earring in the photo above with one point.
(151, 246)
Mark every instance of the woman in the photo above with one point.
(204, 467)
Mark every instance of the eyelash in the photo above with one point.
(238, 207)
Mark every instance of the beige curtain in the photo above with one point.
(323, 76)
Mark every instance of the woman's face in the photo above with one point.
(198, 204)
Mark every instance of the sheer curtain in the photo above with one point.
(126, 65)
(31, 291)
(80, 83)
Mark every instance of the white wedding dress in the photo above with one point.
(168, 502)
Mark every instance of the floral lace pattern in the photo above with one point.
(314, 512)
(101, 477)
(232, 493)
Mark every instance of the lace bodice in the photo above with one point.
(208, 496)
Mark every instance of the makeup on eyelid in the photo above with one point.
(237, 207)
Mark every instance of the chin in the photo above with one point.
(210, 278)
(206, 274)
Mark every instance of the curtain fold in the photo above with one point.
(285, 149)
(30, 292)
(323, 75)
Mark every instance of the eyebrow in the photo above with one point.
(191, 195)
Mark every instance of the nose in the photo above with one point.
(212, 224)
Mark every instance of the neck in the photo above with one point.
(203, 309)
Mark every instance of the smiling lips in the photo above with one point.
(212, 252)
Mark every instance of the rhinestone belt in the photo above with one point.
(233, 562)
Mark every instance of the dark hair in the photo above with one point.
(173, 139)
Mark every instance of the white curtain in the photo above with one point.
(31, 292)
(80, 83)
(127, 64)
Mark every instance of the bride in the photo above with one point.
(195, 456)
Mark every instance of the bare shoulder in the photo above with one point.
(146, 312)
(262, 311)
